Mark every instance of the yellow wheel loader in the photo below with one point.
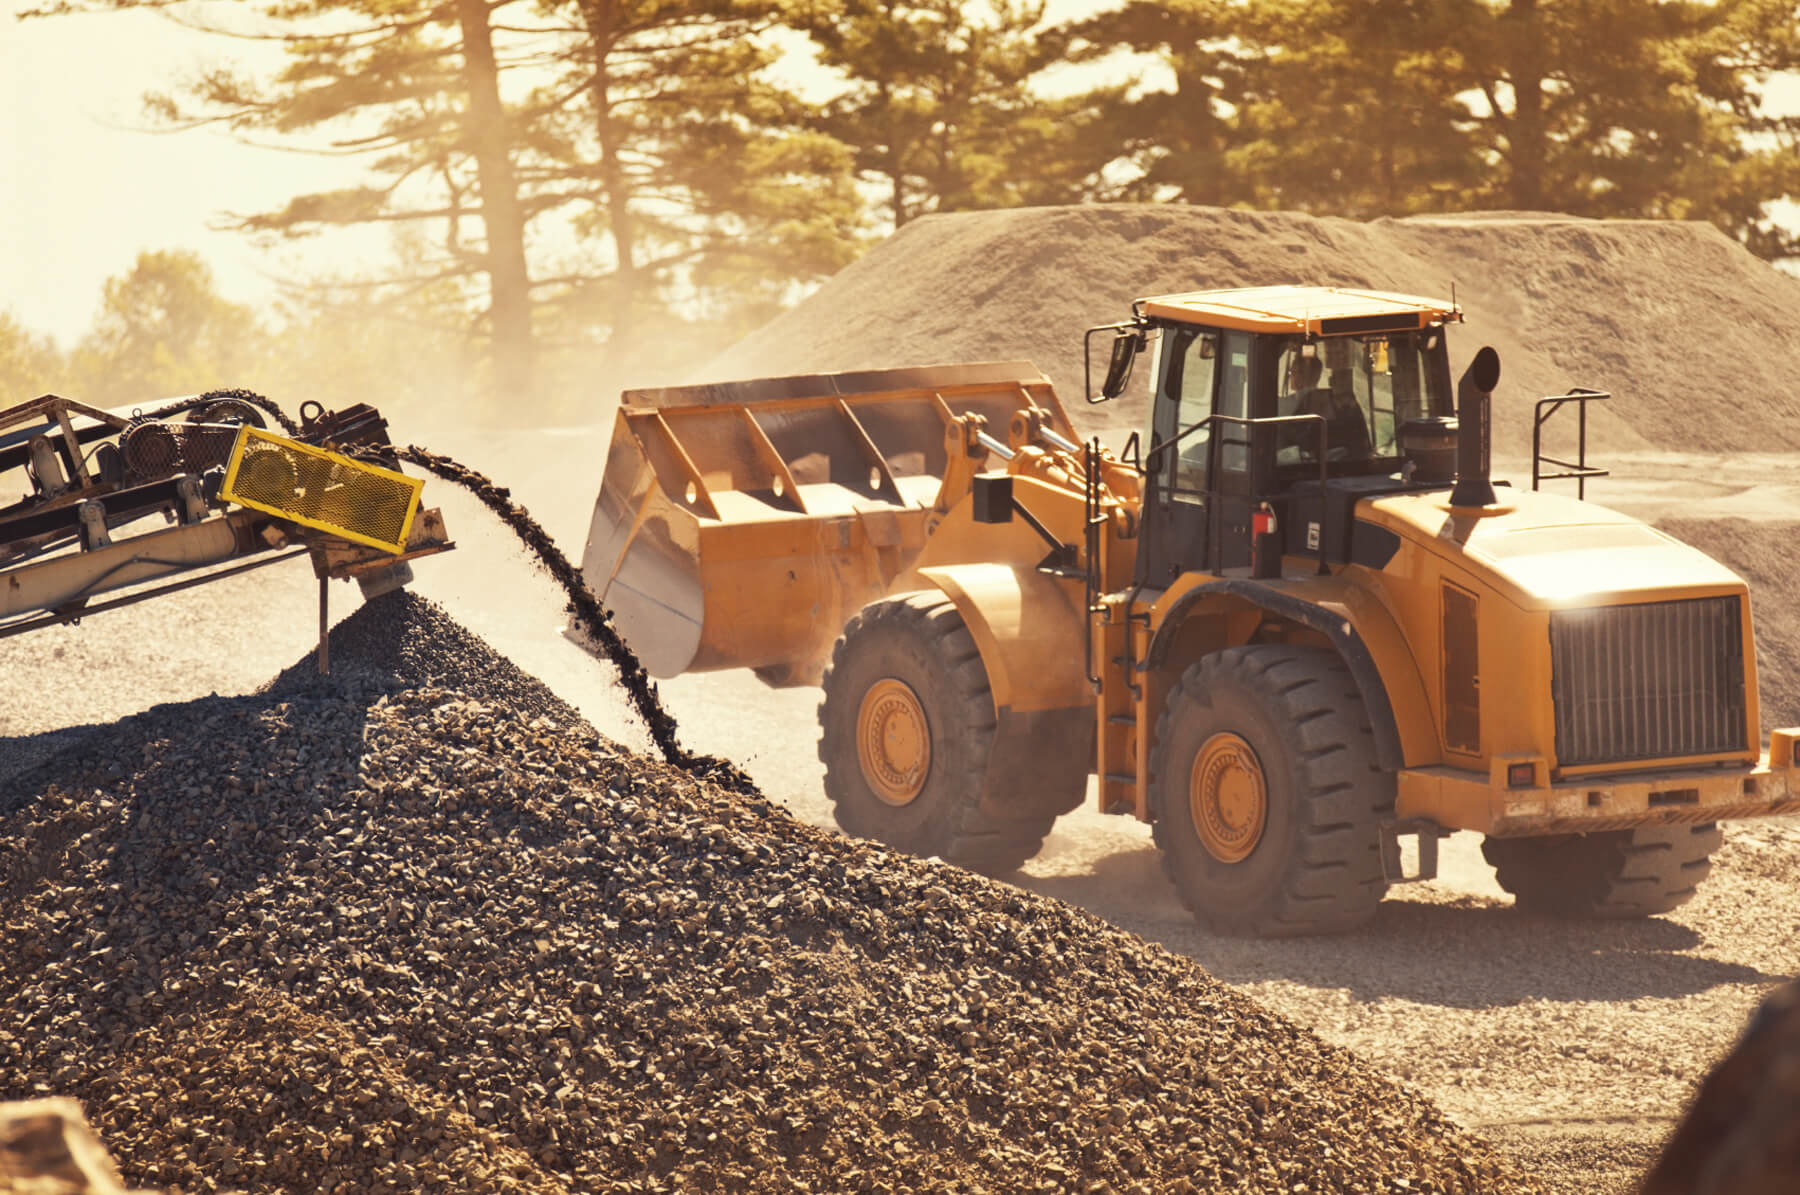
(1293, 625)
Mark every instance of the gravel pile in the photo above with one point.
(1565, 301)
(389, 934)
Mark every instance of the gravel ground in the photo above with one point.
(381, 934)
(1574, 1046)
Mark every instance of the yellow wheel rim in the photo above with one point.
(1227, 798)
(893, 742)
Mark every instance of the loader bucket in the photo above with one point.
(741, 525)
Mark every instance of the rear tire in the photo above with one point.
(1287, 723)
(906, 734)
(1608, 874)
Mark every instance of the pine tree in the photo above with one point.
(585, 163)
(1638, 108)
(163, 330)
(412, 87)
(663, 139)
(1167, 144)
(1351, 108)
(1611, 108)
(938, 107)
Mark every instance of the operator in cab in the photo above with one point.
(1365, 388)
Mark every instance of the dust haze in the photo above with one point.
(1571, 1046)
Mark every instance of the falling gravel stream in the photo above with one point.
(591, 617)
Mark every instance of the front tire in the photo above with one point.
(1268, 795)
(1613, 874)
(906, 735)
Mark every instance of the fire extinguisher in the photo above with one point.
(1265, 543)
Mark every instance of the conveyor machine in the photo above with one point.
(118, 509)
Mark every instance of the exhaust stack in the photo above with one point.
(1473, 391)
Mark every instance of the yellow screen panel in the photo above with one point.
(326, 491)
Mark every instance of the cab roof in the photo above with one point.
(1314, 310)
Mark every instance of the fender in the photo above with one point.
(1333, 620)
(1026, 627)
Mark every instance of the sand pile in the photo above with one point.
(387, 935)
(1673, 318)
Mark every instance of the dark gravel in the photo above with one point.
(404, 641)
(395, 933)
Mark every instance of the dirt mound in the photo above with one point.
(1673, 318)
(382, 936)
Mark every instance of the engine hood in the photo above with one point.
(1547, 551)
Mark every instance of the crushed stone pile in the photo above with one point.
(1671, 317)
(394, 935)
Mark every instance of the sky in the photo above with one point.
(84, 188)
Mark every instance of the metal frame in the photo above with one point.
(10, 629)
(1093, 522)
(57, 551)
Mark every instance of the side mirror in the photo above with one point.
(1125, 348)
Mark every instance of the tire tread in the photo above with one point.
(1334, 881)
(1615, 874)
(974, 832)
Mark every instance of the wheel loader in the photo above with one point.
(1294, 624)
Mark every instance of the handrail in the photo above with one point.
(1092, 521)
(1578, 469)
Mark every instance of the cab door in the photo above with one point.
(1197, 504)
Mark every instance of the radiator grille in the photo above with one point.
(327, 491)
(1650, 681)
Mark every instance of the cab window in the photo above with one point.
(1365, 388)
(1183, 399)
(1234, 399)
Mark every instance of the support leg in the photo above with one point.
(324, 627)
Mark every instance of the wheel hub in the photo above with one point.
(893, 742)
(1227, 797)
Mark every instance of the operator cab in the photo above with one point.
(1289, 402)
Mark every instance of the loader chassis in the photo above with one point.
(1293, 626)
